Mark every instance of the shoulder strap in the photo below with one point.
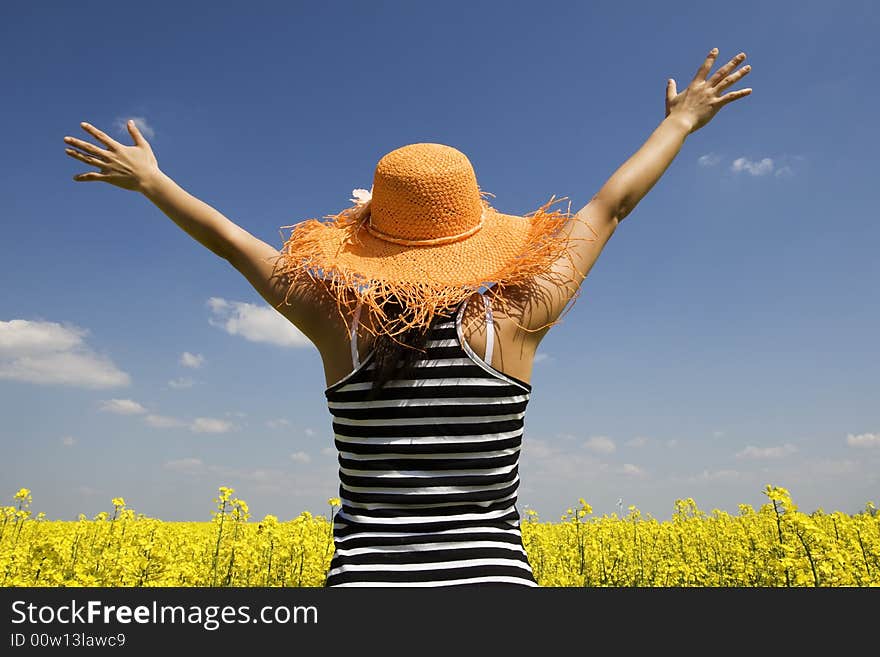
(490, 329)
(490, 326)
(354, 327)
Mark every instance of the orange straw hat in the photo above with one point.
(425, 235)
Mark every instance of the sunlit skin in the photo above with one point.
(135, 168)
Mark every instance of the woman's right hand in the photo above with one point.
(700, 101)
(128, 167)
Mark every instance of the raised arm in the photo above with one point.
(251, 256)
(593, 225)
(135, 168)
(686, 112)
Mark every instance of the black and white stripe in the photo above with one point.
(429, 470)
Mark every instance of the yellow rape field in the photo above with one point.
(776, 545)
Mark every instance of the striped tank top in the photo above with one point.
(429, 469)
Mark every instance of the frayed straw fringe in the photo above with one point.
(422, 301)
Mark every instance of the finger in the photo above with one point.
(670, 90)
(86, 146)
(91, 175)
(101, 136)
(733, 95)
(732, 79)
(709, 62)
(96, 153)
(135, 133)
(724, 70)
(100, 163)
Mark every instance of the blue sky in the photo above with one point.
(725, 339)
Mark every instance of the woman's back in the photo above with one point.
(429, 469)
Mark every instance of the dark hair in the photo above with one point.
(395, 357)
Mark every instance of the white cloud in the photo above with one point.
(122, 407)
(600, 444)
(723, 475)
(283, 482)
(300, 457)
(23, 337)
(555, 472)
(672, 442)
(766, 166)
(258, 475)
(181, 383)
(49, 353)
(199, 425)
(709, 160)
(309, 432)
(163, 421)
(812, 471)
(717, 434)
(638, 441)
(255, 323)
(141, 123)
(329, 451)
(755, 168)
(210, 425)
(549, 463)
(191, 360)
(632, 470)
(540, 356)
(752, 452)
(188, 465)
(863, 440)
(68, 441)
(277, 423)
(830, 468)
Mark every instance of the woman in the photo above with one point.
(428, 413)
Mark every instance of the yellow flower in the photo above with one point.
(691, 549)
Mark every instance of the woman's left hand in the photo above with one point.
(122, 166)
(701, 100)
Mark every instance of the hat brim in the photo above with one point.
(508, 249)
(472, 260)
